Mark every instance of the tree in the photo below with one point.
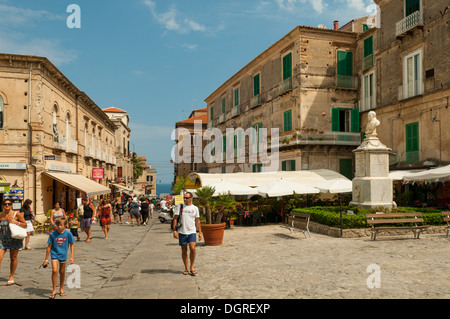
(138, 169)
(205, 197)
(179, 185)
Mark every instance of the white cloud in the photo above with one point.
(17, 43)
(291, 5)
(16, 16)
(356, 4)
(171, 19)
(189, 47)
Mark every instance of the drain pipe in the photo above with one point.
(30, 141)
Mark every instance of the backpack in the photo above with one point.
(134, 205)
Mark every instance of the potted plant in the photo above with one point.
(213, 228)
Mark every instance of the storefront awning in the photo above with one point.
(122, 188)
(79, 182)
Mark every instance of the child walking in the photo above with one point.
(59, 242)
(74, 224)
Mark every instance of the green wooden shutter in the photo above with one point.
(346, 168)
(287, 120)
(355, 121)
(345, 63)
(256, 84)
(223, 106)
(283, 166)
(287, 66)
(212, 114)
(292, 165)
(368, 46)
(236, 97)
(411, 6)
(335, 125)
(412, 142)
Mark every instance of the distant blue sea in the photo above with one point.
(163, 188)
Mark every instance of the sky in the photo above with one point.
(157, 60)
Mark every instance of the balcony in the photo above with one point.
(222, 118)
(235, 111)
(368, 62)
(60, 143)
(410, 89)
(89, 152)
(255, 101)
(72, 146)
(286, 86)
(322, 138)
(408, 23)
(347, 82)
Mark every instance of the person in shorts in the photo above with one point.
(74, 224)
(59, 242)
(187, 233)
(88, 211)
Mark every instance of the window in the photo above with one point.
(412, 74)
(223, 105)
(368, 92)
(257, 137)
(2, 111)
(236, 97)
(237, 142)
(55, 125)
(412, 142)
(211, 114)
(287, 121)
(368, 53)
(287, 66)
(411, 6)
(345, 69)
(67, 126)
(345, 120)
(257, 168)
(346, 168)
(256, 84)
(288, 165)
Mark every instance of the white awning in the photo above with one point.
(79, 182)
(123, 188)
(306, 177)
(437, 174)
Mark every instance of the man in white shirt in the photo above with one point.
(187, 233)
(163, 205)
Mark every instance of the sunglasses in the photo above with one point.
(187, 197)
(7, 204)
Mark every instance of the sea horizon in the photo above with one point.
(163, 188)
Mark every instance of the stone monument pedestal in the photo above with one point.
(372, 186)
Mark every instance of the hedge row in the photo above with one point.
(330, 215)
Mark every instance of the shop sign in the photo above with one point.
(13, 166)
(98, 173)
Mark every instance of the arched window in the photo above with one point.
(85, 135)
(2, 111)
(67, 126)
(55, 125)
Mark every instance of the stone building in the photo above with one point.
(56, 144)
(124, 158)
(408, 84)
(146, 183)
(187, 133)
(305, 85)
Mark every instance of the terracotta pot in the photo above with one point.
(213, 233)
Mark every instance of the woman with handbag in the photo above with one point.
(9, 220)
(28, 216)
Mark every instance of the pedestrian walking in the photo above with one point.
(128, 208)
(74, 224)
(145, 208)
(120, 210)
(188, 215)
(57, 212)
(59, 242)
(134, 213)
(104, 216)
(115, 209)
(28, 215)
(88, 211)
(152, 207)
(8, 216)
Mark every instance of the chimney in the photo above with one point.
(336, 25)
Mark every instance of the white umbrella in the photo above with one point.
(434, 173)
(283, 188)
(232, 189)
(336, 186)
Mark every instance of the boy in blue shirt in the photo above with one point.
(59, 241)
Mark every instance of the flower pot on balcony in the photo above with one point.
(213, 233)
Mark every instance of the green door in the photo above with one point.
(412, 142)
(346, 168)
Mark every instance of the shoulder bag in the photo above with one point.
(178, 225)
(17, 232)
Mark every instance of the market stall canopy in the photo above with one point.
(437, 174)
(283, 187)
(223, 187)
(122, 188)
(398, 175)
(79, 182)
(306, 177)
(335, 186)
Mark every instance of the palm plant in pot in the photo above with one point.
(214, 228)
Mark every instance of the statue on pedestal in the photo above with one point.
(372, 141)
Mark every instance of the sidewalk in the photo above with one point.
(252, 263)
